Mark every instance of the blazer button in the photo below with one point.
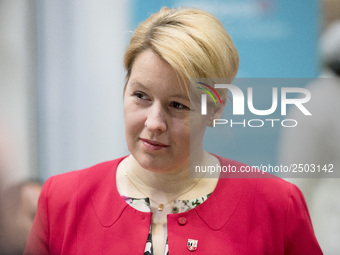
(182, 220)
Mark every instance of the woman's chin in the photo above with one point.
(159, 165)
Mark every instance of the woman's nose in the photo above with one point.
(156, 119)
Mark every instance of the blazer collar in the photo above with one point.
(109, 205)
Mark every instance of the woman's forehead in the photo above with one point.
(149, 70)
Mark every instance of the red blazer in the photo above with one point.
(81, 212)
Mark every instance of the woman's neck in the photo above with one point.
(163, 184)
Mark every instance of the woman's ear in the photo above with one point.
(218, 110)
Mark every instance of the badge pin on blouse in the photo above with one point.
(192, 244)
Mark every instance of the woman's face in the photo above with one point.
(157, 116)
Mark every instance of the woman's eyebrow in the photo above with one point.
(137, 83)
(184, 97)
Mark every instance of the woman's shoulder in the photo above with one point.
(251, 195)
(266, 192)
(253, 180)
(276, 206)
(68, 183)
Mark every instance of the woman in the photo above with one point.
(147, 203)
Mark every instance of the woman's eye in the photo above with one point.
(140, 95)
(179, 106)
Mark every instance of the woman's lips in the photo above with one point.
(153, 145)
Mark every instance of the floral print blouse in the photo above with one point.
(179, 206)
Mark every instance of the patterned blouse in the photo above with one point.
(179, 206)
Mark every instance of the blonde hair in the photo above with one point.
(192, 41)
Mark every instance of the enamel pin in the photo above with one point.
(192, 244)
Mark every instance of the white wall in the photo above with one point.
(17, 91)
(81, 79)
(61, 85)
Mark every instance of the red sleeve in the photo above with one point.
(299, 236)
(38, 240)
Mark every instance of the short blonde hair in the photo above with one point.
(192, 41)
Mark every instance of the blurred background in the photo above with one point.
(62, 79)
